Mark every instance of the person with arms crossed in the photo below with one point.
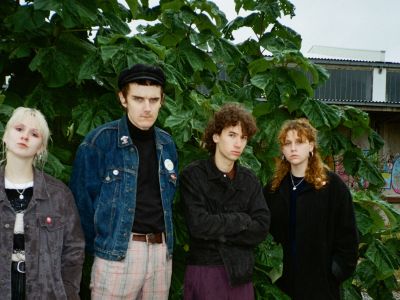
(124, 179)
(312, 217)
(42, 242)
(225, 211)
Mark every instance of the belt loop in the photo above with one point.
(149, 236)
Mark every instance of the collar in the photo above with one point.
(138, 134)
(124, 138)
(213, 173)
(39, 185)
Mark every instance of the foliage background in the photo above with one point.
(63, 57)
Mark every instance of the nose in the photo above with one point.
(24, 136)
(239, 143)
(147, 105)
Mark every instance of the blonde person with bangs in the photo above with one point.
(312, 217)
(42, 243)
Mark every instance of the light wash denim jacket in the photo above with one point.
(104, 179)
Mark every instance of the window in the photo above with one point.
(393, 86)
(346, 85)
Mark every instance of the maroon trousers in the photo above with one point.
(211, 283)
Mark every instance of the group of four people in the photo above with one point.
(123, 182)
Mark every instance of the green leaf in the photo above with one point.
(225, 52)
(321, 114)
(382, 259)
(53, 65)
(301, 81)
(370, 173)
(263, 82)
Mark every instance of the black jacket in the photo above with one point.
(326, 238)
(226, 218)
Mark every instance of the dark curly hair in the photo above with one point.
(230, 114)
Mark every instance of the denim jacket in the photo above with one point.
(104, 182)
(54, 242)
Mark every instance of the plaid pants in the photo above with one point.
(144, 274)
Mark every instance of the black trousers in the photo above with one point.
(18, 280)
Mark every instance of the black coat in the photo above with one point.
(226, 218)
(326, 238)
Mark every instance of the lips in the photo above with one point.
(22, 145)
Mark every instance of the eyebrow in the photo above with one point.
(141, 97)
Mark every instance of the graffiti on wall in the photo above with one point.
(391, 172)
(390, 167)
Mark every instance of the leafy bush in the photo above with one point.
(63, 57)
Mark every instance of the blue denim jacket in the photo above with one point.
(104, 181)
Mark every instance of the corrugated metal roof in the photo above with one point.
(352, 62)
(368, 105)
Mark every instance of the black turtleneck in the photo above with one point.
(149, 216)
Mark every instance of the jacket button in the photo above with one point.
(108, 178)
(7, 225)
(115, 172)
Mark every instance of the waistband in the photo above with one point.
(149, 238)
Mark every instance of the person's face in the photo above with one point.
(295, 150)
(142, 102)
(23, 139)
(230, 143)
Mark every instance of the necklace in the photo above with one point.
(12, 185)
(295, 185)
(21, 194)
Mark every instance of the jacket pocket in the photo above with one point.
(51, 232)
(239, 263)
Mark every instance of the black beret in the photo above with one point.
(140, 72)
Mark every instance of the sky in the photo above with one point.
(351, 24)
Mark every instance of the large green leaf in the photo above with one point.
(320, 114)
(382, 259)
(53, 65)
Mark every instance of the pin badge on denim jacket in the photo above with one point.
(169, 165)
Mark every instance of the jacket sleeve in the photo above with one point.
(203, 222)
(345, 244)
(260, 221)
(73, 249)
(85, 184)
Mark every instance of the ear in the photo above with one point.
(216, 138)
(122, 99)
(162, 99)
(311, 147)
(40, 150)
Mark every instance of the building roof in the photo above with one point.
(389, 106)
(352, 62)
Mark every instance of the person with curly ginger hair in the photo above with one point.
(312, 216)
(225, 211)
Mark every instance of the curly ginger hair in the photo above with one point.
(316, 170)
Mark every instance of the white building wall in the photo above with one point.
(379, 85)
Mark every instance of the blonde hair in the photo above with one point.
(316, 170)
(19, 114)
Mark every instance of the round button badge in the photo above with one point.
(169, 165)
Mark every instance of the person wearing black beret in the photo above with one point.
(124, 180)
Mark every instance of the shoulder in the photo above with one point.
(53, 184)
(108, 128)
(195, 166)
(163, 136)
(334, 180)
(247, 173)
